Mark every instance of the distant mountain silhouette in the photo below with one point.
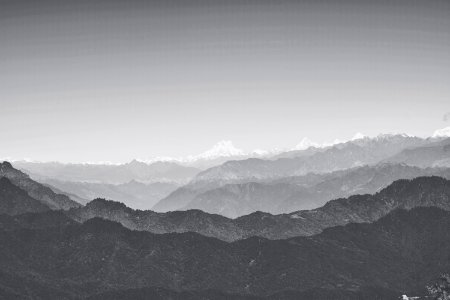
(36, 190)
(287, 194)
(433, 155)
(359, 152)
(72, 196)
(342, 156)
(407, 194)
(114, 174)
(399, 253)
(134, 194)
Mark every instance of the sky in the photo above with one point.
(116, 80)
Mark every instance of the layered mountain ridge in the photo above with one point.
(135, 194)
(407, 194)
(14, 200)
(275, 185)
(35, 190)
(112, 174)
(293, 193)
(401, 252)
(367, 246)
(341, 156)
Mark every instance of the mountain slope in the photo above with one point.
(294, 193)
(36, 190)
(177, 221)
(359, 152)
(422, 191)
(363, 180)
(234, 200)
(177, 199)
(400, 253)
(14, 200)
(134, 194)
(342, 156)
(433, 155)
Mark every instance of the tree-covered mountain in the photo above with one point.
(401, 252)
(312, 294)
(14, 200)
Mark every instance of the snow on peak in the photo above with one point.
(305, 143)
(358, 136)
(335, 142)
(260, 152)
(221, 149)
(226, 149)
(444, 132)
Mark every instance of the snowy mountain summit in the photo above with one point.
(221, 149)
(444, 132)
(306, 143)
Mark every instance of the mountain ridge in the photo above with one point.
(109, 173)
(291, 193)
(14, 200)
(36, 190)
(135, 194)
(421, 191)
(343, 259)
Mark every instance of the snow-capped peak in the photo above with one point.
(358, 136)
(305, 143)
(260, 152)
(444, 132)
(221, 149)
(335, 142)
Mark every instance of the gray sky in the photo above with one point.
(116, 80)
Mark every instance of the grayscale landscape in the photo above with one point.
(230, 150)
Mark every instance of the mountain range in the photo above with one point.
(401, 252)
(109, 173)
(406, 194)
(436, 154)
(287, 184)
(366, 246)
(304, 192)
(293, 193)
(135, 194)
(275, 184)
(341, 156)
(163, 169)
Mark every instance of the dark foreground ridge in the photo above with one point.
(399, 253)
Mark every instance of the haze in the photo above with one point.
(118, 80)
